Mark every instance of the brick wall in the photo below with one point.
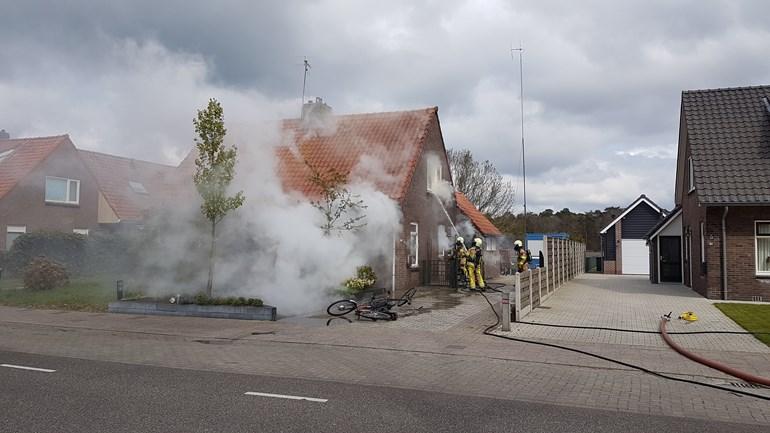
(692, 214)
(619, 247)
(742, 282)
(610, 267)
(25, 204)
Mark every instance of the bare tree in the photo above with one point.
(481, 183)
(342, 210)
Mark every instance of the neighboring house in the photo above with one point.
(44, 185)
(666, 254)
(624, 247)
(129, 188)
(490, 234)
(723, 189)
(401, 144)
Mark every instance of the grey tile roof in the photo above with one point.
(729, 135)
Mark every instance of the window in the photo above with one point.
(434, 175)
(13, 232)
(83, 232)
(762, 245)
(137, 187)
(491, 244)
(5, 154)
(60, 190)
(690, 175)
(414, 245)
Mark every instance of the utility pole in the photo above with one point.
(306, 64)
(523, 159)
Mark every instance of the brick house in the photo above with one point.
(408, 146)
(624, 247)
(492, 235)
(723, 189)
(44, 185)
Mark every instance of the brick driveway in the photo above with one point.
(631, 302)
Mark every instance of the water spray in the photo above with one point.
(440, 203)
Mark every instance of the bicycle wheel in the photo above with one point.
(341, 308)
(406, 298)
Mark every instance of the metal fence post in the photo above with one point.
(517, 298)
(505, 310)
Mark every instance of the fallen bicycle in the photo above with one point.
(378, 307)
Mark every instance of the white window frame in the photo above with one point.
(13, 229)
(690, 175)
(415, 232)
(434, 176)
(83, 232)
(702, 242)
(491, 243)
(68, 200)
(757, 272)
(138, 187)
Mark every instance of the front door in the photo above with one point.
(670, 259)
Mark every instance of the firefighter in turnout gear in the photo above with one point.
(521, 256)
(461, 255)
(475, 263)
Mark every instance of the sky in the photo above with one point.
(602, 79)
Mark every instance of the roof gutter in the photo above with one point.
(724, 253)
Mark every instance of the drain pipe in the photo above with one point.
(724, 253)
(393, 276)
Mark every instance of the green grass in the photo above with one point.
(752, 317)
(82, 294)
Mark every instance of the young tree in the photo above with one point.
(214, 170)
(342, 210)
(481, 183)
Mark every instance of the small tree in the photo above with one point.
(342, 210)
(214, 170)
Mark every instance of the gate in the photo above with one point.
(439, 272)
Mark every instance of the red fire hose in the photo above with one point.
(710, 363)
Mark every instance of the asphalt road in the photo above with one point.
(92, 396)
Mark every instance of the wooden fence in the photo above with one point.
(564, 260)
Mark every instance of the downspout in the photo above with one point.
(393, 276)
(724, 253)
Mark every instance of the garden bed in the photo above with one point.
(164, 308)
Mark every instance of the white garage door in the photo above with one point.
(635, 256)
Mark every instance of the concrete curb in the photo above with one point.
(265, 312)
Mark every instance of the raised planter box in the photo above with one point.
(244, 312)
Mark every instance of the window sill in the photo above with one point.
(62, 203)
(762, 276)
(414, 268)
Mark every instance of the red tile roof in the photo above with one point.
(481, 222)
(113, 174)
(27, 154)
(394, 140)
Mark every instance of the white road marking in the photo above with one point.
(290, 397)
(22, 367)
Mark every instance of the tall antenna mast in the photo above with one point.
(304, 79)
(523, 159)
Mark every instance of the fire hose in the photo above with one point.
(488, 331)
(709, 362)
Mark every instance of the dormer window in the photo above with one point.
(690, 175)
(61, 190)
(137, 187)
(6, 154)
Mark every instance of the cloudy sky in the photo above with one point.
(602, 79)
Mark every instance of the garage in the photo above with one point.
(635, 257)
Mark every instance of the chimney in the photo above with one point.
(4, 135)
(315, 111)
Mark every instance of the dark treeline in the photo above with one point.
(583, 227)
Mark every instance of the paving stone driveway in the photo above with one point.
(632, 302)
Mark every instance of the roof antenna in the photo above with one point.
(304, 78)
(523, 160)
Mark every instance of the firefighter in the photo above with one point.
(475, 262)
(461, 255)
(521, 256)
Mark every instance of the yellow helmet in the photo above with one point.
(460, 240)
(477, 242)
(518, 244)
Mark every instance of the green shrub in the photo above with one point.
(43, 273)
(65, 248)
(365, 279)
(203, 299)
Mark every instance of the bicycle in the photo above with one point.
(378, 308)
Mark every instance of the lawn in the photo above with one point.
(83, 294)
(752, 317)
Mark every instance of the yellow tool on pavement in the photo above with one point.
(688, 316)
